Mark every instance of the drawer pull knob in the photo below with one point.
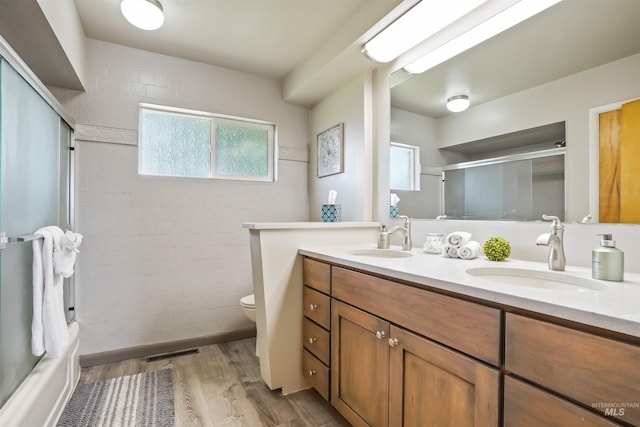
(313, 307)
(393, 342)
(380, 334)
(312, 372)
(312, 340)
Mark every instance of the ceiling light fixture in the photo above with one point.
(458, 103)
(496, 24)
(417, 24)
(144, 14)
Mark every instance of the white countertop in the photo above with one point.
(307, 225)
(616, 308)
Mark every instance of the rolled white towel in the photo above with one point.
(458, 238)
(470, 251)
(449, 251)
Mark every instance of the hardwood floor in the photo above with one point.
(221, 386)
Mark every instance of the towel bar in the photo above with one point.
(4, 240)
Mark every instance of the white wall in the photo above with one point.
(350, 106)
(166, 259)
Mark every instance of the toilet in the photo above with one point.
(248, 305)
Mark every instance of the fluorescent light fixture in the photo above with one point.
(419, 23)
(476, 35)
(144, 14)
(458, 103)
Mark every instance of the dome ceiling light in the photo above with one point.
(144, 14)
(458, 103)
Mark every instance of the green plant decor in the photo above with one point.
(497, 249)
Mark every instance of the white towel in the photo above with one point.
(49, 325)
(470, 251)
(458, 238)
(449, 251)
(65, 258)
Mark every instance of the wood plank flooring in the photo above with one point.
(221, 386)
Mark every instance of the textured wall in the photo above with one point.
(166, 258)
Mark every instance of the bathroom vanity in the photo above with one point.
(419, 341)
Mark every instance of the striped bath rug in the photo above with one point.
(133, 400)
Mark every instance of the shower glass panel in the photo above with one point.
(29, 199)
(506, 189)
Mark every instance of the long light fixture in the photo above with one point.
(419, 23)
(144, 14)
(458, 103)
(476, 35)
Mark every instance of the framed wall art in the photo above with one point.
(330, 151)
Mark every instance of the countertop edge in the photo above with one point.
(307, 225)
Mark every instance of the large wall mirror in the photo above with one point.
(530, 128)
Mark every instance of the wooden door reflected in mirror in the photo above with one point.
(619, 154)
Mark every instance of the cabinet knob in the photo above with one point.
(312, 372)
(312, 340)
(380, 334)
(393, 342)
(313, 307)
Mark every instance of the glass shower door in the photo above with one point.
(29, 199)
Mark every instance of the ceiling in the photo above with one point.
(313, 46)
(572, 36)
(266, 37)
(279, 39)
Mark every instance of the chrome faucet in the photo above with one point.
(406, 232)
(554, 239)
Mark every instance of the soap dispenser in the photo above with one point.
(384, 238)
(607, 261)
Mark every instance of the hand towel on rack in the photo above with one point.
(65, 258)
(458, 238)
(471, 250)
(49, 325)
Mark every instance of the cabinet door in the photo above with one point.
(432, 385)
(359, 366)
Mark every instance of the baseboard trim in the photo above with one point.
(144, 351)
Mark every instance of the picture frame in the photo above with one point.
(330, 151)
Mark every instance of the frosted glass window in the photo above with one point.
(186, 143)
(405, 167)
(241, 151)
(173, 145)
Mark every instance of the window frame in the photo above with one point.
(417, 166)
(215, 119)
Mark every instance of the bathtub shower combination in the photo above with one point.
(36, 190)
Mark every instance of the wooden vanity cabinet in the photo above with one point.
(599, 373)
(386, 375)
(526, 406)
(432, 385)
(316, 327)
(406, 356)
(360, 366)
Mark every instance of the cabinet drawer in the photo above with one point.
(317, 275)
(526, 406)
(316, 340)
(590, 369)
(471, 328)
(316, 373)
(317, 307)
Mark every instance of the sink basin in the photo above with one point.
(381, 253)
(552, 280)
